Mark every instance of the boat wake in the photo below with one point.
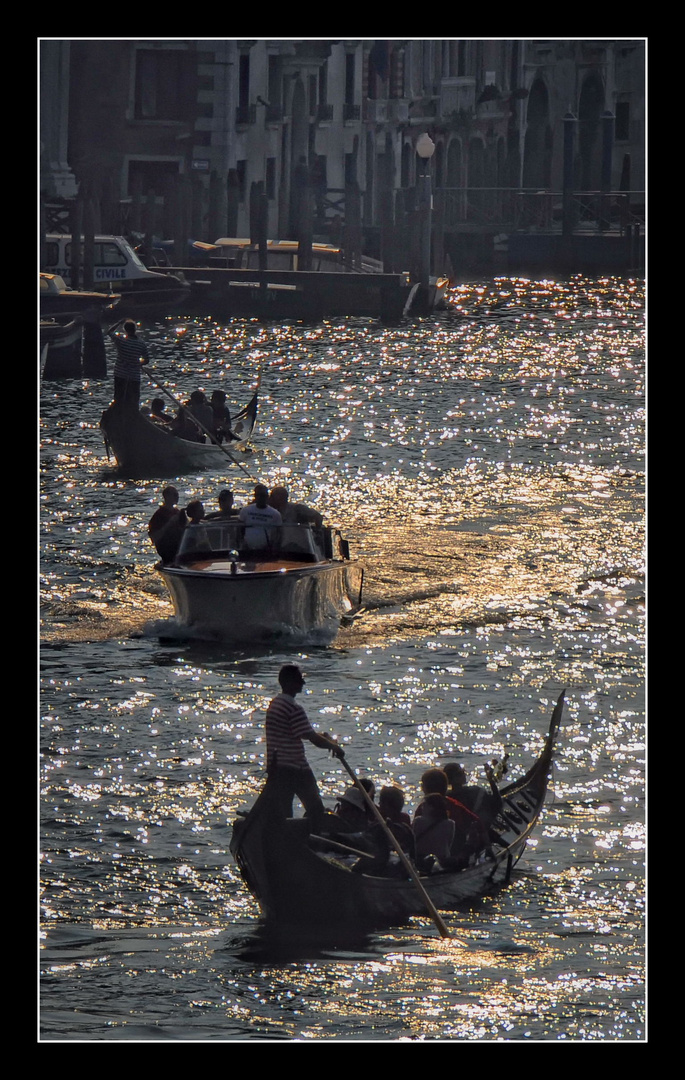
(172, 630)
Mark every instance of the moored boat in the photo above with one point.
(293, 589)
(304, 885)
(57, 301)
(60, 348)
(115, 263)
(144, 448)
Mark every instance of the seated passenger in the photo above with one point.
(201, 410)
(261, 522)
(353, 809)
(184, 428)
(293, 513)
(469, 835)
(226, 508)
(195, 511)
(390, 804)
(166, 525)
(157, 413)
(221, 426)
(385, 860)
(484, 804)
(433, 831)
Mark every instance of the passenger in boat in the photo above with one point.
(221, 424)
(391, 806)
(469, 834)
(293, 513)
(166, 525)
(261, 522)
(376, 840)
(288, 771)
(484, 804)
(199, 407)
(157, 413)
(352, 808)
(226, 508)
(195, 512)
(132, 353)
(433, 831)
(184, 428)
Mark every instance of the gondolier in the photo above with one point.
(132, 352)
(288, 771)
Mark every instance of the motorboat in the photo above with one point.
(59, 302)
(117, 266)
(293, 586)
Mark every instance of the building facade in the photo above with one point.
(200, 125)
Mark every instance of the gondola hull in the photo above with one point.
(143, 448)
(309, 891)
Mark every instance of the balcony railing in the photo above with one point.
(324, 113)
(351, 112)
(376, 111)
(529, 210)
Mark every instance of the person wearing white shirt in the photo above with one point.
(260, 521)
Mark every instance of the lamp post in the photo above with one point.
(425, 148)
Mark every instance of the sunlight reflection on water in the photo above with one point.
(487, 466)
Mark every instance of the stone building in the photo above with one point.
(179, 133)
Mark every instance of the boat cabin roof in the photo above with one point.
(272, 245)
(52, 283)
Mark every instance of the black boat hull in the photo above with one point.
(298, 888)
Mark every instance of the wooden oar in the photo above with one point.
(198, 423)
(432, 910)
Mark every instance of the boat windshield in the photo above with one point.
(310, 543)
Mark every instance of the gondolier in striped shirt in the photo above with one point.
(288, 771)
(132, 352)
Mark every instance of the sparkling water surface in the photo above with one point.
(487, 466)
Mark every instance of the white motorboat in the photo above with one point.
(294, 587)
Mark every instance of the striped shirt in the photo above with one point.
(286, 726)
(130, 351)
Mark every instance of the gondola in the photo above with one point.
(143, 448)
(302, 882)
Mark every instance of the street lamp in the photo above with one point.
(425, 148)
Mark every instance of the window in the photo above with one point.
(349, 78)
(159, 82)
(103, 255)
(241, 170)
(271, 178)
(622, 130)
(244, 81)
(145, 176)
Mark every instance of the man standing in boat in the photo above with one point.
(132, 353)
(287, 768)
(260, 521)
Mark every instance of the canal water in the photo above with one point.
(487, 466)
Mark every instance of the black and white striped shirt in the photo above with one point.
(130, 351)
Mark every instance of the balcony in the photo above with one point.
(399, 110)
(274, 114)
(376, 111)
(457, 95)
(351, 112)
